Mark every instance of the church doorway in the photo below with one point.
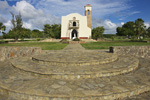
(74, 34)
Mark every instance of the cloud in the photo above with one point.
(8, 25)
(122, 23)
(32, 17)
(36, 13)
(100, 8)
(110, 27)
(147, 24)
(127, 14)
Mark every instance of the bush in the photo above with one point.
(38, 39)
(76, 39)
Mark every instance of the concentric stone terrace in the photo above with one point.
(74, 75)
(58, 71)
(73, 58)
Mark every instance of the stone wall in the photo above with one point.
(11, 52)
(137, 51)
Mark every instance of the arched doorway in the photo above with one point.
(74, 34)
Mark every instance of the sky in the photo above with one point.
(108, 13)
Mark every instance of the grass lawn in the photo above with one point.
(106, 45)
(43, 45)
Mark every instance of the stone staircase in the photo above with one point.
(74, 74)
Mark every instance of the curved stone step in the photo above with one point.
(23, 86)
(75, 58)
(122, 65)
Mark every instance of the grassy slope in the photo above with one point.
(43, 45)
(106, 45)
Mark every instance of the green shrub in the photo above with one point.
(76, 39)
(38, 39)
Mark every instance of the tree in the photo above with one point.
(126, 30)
(131, 28)
(56, 29)
(97, 32)
(2, 27)
(17, 26)
(148, 32)
(119, 31)
(139, 27)
(36, 34)
(48, 30)
(25, 33)
(52, 31)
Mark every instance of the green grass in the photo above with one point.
(106, 45)
(43, 45)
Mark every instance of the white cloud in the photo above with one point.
(62, 7)
(125, 15)
(122, 23)
(27, 10)
(3, 6)
(32, 17)
(36, 13)
(110, 27)
(109, 24)
(147, 24)
(8, 25)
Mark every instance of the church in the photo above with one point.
(77, 26)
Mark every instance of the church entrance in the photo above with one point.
(74, 34)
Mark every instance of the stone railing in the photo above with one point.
(11, 52)
(137, 51)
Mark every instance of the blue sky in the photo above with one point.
(107, 13)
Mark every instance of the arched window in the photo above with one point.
(88, 12)
(74, 23)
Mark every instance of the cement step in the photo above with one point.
(123, 65)
(74, 58)
(22, 86)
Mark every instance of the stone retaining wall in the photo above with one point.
(11, 52)
(137, 51)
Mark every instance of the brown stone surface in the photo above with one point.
(11, 52)
(74, 71)
(137, 51)
(17, 83)
(28, 85)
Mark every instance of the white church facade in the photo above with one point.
(77, 26)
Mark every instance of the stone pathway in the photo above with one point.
(74, 47)
(91, 75)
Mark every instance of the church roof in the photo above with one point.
(88, 5)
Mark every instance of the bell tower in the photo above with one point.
(88, 13)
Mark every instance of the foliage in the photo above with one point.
(17, 26)
(126, 30)
(37, 34)
(52, 31)
(139, 27)
(38, 39)
(97, 32)
(148, 32)
(76, 39)
(136, 28)
(23, 33)
(108, 35)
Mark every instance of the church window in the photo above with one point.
(74, 23)
(88, 12)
